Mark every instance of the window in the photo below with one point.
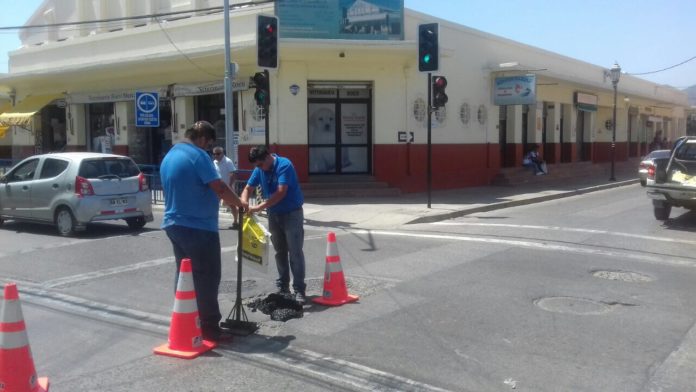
(24, 172)
(53, 167)
(121, 167)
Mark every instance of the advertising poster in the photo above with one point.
(341, 19)
(515, 90)
(321, 122)
(354, 131)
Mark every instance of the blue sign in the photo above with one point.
(515, 90)
(146, 109)
(341, 19)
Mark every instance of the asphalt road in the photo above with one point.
(588, 293)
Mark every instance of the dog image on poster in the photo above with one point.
(322, 131)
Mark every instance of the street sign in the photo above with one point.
(146, 109)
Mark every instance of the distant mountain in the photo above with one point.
(691, 93)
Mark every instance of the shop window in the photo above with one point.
(100, 120)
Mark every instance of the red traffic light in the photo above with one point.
(439, 98)
(439, 82)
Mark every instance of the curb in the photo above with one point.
(515, 203)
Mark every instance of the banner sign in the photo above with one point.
(515, 90)
(146, 109)
(341, 19)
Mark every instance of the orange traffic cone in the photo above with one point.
(185, 340)
(335, 291)
(17, 372)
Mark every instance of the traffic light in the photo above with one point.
(262, 96)
(439, 96)
(267, 41)
(428, 52)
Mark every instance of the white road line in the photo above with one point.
(106, 272)
(543, 245)
(569, 229)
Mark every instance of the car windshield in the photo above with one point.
(108, 167)
(658, 154)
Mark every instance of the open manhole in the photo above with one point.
(573, 305)
(624, 276)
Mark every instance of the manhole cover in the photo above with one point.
(625, 276)
(572, 305)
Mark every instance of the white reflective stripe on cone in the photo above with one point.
(331, 249)
(11, 312)
(12, 340)
(333, 267)
(185, 282)
(185, 306)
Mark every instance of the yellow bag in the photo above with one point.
(255, 244)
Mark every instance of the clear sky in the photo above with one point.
(642, 35)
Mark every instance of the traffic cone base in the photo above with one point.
(206, 345)
(185, 339)
(335, 291)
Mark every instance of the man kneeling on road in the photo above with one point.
(283, 199)
(192, 187)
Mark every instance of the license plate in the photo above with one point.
(119, 202)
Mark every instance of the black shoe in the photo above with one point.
(216, 334)
(235, 226)
(285, 292)
(300, 298)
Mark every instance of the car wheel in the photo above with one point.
(65, 221)
(662, 213)
(136, 223)
(643, 182)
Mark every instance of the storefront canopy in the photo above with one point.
(20, 115)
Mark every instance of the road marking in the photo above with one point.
(569, 229)
(106, 272)
(542, 245)
(253, 349)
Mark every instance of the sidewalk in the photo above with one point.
(391, 212)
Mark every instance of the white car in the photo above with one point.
(647, 164)
(73, 189)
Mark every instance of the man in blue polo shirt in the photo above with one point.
(283, 199)
(192, 188)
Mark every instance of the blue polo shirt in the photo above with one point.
(281, 173)
(186, 171)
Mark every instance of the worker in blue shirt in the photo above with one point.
(283, 200)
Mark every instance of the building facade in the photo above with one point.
(339, 107)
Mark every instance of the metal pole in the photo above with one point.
(230, 143)
(613, 137)
(266, 109)
(430, 125)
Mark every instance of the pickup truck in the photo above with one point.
(672, 181)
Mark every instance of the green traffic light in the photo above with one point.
(426, 58)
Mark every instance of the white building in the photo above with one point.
(75, 84)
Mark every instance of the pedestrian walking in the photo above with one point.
(283, 199)
(192, 189)
(226, 168)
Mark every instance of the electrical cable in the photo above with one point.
(182, 53)
(663, 69)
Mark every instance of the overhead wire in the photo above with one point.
(663, 69)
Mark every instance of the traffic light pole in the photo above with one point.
(266, 111)
(430, 126)
(230, 144)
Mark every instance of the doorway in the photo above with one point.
(339, 128)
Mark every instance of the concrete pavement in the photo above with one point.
(383, 212)
(391, 212)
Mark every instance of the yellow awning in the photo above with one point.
(19, 119)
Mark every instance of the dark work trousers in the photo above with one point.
(203, 248)
(287, 236)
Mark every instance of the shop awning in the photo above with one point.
(19, 119)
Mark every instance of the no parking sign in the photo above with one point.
(146, 109)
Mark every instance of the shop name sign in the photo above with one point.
(515, 90)
(586, 102)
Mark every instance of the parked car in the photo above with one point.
(73, 189)
(648, 163)
(673, 182)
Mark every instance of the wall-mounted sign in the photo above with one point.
(341, 19)
(146, 109)
(405, 137)
(586, 102)
(515, 90)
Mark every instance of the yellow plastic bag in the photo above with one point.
(255, 244)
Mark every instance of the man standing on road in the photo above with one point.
(192, 189)
(226, 168)
(283, 199)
